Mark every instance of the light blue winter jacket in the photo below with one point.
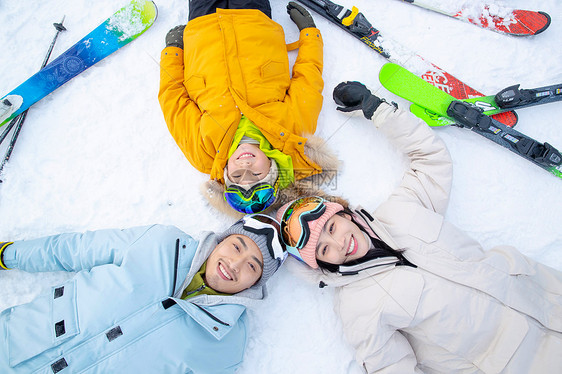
(120, 313)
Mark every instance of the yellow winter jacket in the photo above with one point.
(234, 62)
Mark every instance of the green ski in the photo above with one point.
(401, 82)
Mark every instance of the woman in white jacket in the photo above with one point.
(415, 293)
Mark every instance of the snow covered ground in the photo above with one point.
(97, 154)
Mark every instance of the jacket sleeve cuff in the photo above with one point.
(3, 246)
(384, 109)
(172, 51)
(310, 32)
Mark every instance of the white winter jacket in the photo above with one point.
(462, 309)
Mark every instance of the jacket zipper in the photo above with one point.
(211, 316)
(195, 291)
(176, 260)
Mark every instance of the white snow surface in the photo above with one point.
(97, 154)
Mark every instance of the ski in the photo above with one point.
(355, 23)
(18, 121)
(403, 83)
(507, 99)
(516, 22)
(124, 26)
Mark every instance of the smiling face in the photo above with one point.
(235, 264)
(248, 164)
(341, 241)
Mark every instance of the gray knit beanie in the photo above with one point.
(270, 264)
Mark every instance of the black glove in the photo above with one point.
(353, 96)
(2, 248)
(174, 37)
(300, 16)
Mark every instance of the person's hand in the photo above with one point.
(174, 37)
(300, 16)
(352, 96)
(3, 246)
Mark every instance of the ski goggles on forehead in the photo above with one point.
(302, 211)
(253, 200)
(260, 224)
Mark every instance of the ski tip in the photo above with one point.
(528, 23)
(391, 72)
(548, 19)
(388, 70)
(132, 20)
(145, 9)
(155, 10)
(149, 11)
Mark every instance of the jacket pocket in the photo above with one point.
(509, 260)
(42, 324)
(508, 337)
(194, 85)
(272, 69)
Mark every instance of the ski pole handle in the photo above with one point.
(59, 28)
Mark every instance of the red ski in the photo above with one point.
(515, 22)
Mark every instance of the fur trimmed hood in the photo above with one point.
(316, 149)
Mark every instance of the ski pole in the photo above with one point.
(59, 28)
(19, 120)
(6, 131)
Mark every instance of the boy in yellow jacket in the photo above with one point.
(234, 109)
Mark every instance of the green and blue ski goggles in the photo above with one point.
(254, 200)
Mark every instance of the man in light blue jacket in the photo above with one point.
(144, 300)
